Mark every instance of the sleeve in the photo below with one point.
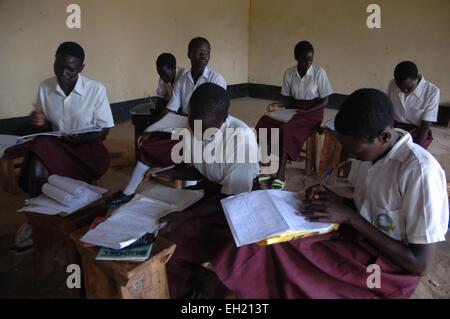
(220, 80)
(425, 205)
(161, 89)
(239, 175)
(102, 114)
(175, 101)
(323, 84)
(286, 86)
(432, 106)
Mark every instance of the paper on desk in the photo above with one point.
(82, 130)
(283, 115)
(129, 223)
(258, 215)
(168, 123)
(6, 141)
(54, 200)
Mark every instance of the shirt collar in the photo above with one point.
(79, 86)
(400, 150)
(205, 74)
(310, 71)
(419, 88)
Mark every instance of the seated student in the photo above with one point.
(65, 102)
(305, 88)
(199, 231)
(416, 102)
(398, 213)
(169, 74)
(155, 148)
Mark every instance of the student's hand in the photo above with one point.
(316, 192)
(174, 220)
(274, 106)
(301, 111)
(141, 139)
(38, 118)
(324, 211)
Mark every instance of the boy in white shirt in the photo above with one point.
(169, 74)
(416, 102)
(66, 102)
(398, 214)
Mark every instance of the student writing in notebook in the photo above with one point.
(398, 213)
(66, 102)
(416, 102)
(305, 88)
(155, 148)
(200, 231)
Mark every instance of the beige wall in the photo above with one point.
(122, 40)
(353, 55)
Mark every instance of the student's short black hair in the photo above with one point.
(166, 59)
(303, 48)
(72, 49)
(364, 114)
(209, 100)
(406, 70)
(196, 42)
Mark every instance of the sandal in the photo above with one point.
(278, 184)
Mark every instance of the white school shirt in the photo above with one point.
(420, 105)
(404, 194)
(86, 105)
(234, 173)
(185, 87)
(165, 89)
(314, 84)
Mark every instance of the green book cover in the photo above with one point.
(138, 251)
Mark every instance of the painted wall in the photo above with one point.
(353, 55)
(122, 40)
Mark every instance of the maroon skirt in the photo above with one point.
(86, 162)
(332, 265)
(412, 129)
(294, 133)
(156, 150)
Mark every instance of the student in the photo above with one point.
(66, 102)
(169, 73)
(416, 102)
(305, 88)
(398, 213)
(155, 148)
(199, 232)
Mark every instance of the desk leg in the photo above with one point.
(97, 284)
(44, 243)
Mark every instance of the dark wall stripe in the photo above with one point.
(121, 110)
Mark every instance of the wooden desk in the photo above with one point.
(8, 176)
(121, 279)
(51, 234)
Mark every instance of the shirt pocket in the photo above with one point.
(388, 221)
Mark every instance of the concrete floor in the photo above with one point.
(17, 279)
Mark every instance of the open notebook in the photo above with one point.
(282, 115)
(82, 130)
(168, 123)
(63, 195)
(267, 217)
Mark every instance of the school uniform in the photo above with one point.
(165, 89)
(156, 150)
(403, 195)
(293, 134)
(200, 238)
(420, 105)
(86, 105)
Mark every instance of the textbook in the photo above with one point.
(63, 195)
(138, 251)
(168, 123)
(87, 129)
(267, 217)
(282, 115)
